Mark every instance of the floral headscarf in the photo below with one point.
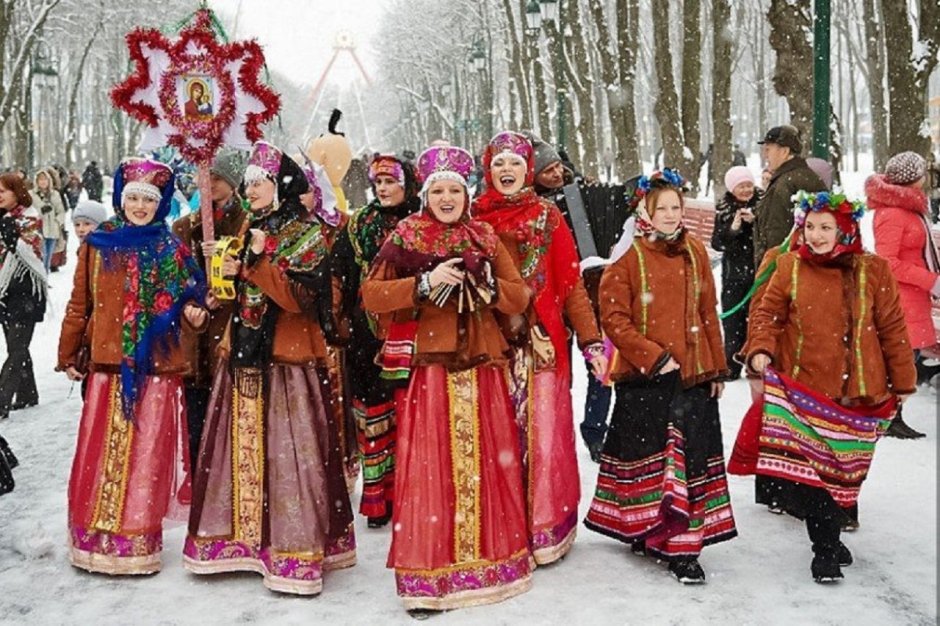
(161, 276)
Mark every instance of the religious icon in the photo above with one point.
(199, 104)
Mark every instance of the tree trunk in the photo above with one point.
(791, 34)
(908, 73)
(691, 83)
(583, 82)
(516, 67)
(6, 20)
(23, 57)
(761, 72)
(534, 60)
(628, 142)
(72, 129)
(666, 109)
(609, 74)
(24, 151)
(721, 93)
(874, 45)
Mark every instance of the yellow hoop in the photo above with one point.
(222, 287)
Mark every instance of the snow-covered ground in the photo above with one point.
(762, 577)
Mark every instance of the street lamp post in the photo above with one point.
(821, 21)
(478, 64)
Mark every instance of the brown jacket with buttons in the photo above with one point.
(837, 328)
(94, 316)
(658, 301)
(456, 340)
(298, 339)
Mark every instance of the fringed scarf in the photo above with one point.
(420, 243)
(161, 277)
(549, 258)
(25, 261)
(370, 226)
(295, 247)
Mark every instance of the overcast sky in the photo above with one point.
(298, 35)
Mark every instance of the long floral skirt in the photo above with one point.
(127, 476)
(542, 404)
(662, 474)
(459, 524)
(269, 495)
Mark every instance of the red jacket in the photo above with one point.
(902, 236)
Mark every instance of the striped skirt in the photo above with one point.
(662, 475)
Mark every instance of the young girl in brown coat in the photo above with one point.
(662, 484)
(831, 321)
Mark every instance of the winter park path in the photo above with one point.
(762, 577)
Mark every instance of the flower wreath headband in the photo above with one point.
(667, 177)
(836, 201)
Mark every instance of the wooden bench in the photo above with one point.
(699, 219)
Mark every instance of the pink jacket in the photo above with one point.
(902, 236)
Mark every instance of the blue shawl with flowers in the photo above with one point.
(161, 276)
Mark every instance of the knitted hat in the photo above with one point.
(905, 168)
(90, 211)
(229, 165)
(545, 153)
(737, 175)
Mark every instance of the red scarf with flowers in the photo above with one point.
(549, 261)
(420, 242)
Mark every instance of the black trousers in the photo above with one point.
(735, 326)
(16, 377)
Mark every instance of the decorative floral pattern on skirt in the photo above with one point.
(270, 493)
(459, 518)
(127, 476)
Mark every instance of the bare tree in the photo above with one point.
(628, 149)
(721, 93)
(675, 151)
(874, 56)
(791, 37)
(37, 16)
(691, 82)
(909, 67)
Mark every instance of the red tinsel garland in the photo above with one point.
(197, 139)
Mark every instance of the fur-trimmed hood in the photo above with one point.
(881, 195)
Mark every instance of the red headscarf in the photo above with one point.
(543, 242)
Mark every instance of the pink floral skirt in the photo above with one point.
(127, 476)
(270, 495)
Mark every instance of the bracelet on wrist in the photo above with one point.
(424, 286)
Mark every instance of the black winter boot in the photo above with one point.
(825, 567)
(824, 533)
(687, 571)
(900, 429)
